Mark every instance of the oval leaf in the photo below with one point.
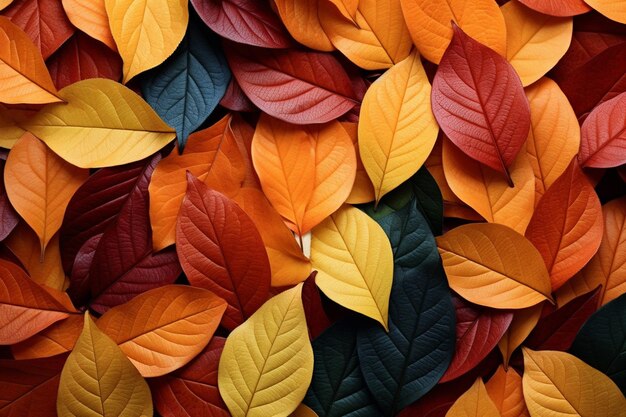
(474, 403)
(91, 17)
(603, 135)
(271, 354)
(302, 20)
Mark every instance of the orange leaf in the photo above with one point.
(363, 189)
(488, 192)
(505, 390)
(39, 185)
(429, 24)
(613, 9)
(524, 321)
(301, 19)
(475, 402)
(164, 328)
(551, 116)
(90, 17)
(56, 339)
(23, 73)
(307, 172)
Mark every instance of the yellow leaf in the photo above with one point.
(102, 124)
(494, 266)
(98, 380)
(376, 38)
(146, 32)
(524, 321)
(23, 73)
(475, 402)
(397, 129)
(505, 390)
(535, 41)
(488, 192)
(5, 3)
(354, 261)
(613, 9)
(39, 185)
(302, 21)
(551, 117)
(90, 17)
(429, 24)
(560, 384)
(267, 363)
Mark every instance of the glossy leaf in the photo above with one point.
(146, 32)
(221, 250)
(163, 329)
(98, 380)
(338, 387)
(492, 265)
(558, 7)
(614, 10)
(474, 403)
(306, 172)
(429, 24)
(603, 135)
(524, 321)
(355, 263)
(24, 76)
(302, 20)
(559, 383)
(192, 390)
(397, 129)
(319, 89)
(91, 17)
(39, 185)
(505, 390)
(59, 338)
(186, 88)
(102, 124)
(479, 103)
(267, 362)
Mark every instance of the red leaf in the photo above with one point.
(479, 102)
(29, 388)
(566, 226)
(124, 264)
(44, 21)
(603, 135)
(478, 331)
(83, 57)
(294, 86)
(251, 22)
(192, 390)
(557, 330)
(8, 217)
(220, 249)
(316, 317)
(235, 99)
(558, 7)
(79, 277)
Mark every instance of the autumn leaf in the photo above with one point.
(603, 135)
(91, 17)
(505, 390)
(558, 7)
(56, 339)
(474, 403)
(614, 10)
(302, 20)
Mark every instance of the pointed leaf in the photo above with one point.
(354, 262)
(267, 362)
(98, 380)
(316, 317)
(397, 129)
(492, 265)
(558, 7)
(91, 17)
(474, 403)
(603, 135)
(302, 20)
(59, 338)
(479, 102)
(505, 390)
(362, 189)
(163, 329)
(524, 321)
(102, 124)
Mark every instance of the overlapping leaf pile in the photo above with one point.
(372, 208)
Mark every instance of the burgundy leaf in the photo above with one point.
(478, 331)
(479, 102)
(192, 391)
(79, 278)
(294, 86)
(558, 7)
(235, 99)
(603, 135)
(316, 318)
(250, 22)
(8, 217)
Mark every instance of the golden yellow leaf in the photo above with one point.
(488, 192)
(102, 124)
(535, 41)
(90, 17)
(39, 185)
(146, 32)
(98, 380)
(551, 117)
(505, 390)
(354, 261)
(376, 38)
(429, 24)
(560, 384)
(475, 402)
(5, 3)
(493, 265)
(397, 129)
(23, 73)
(524, 321)
(302, 21)
(267, 363)
(613, 9)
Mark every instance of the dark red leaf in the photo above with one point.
(79, 278)
(29, 388)
(316, 318)
(294, 86)
(558, 329)
(558, 7)
(8, 217)
(603, 135)
(192, 391)
(124, 264)
(220, 249)
(479, 102)
(235, 99)
(250, 22)
(478, 331)
(83, 57)
(44, 21)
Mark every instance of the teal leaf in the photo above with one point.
(404, 364)
(187, 87)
